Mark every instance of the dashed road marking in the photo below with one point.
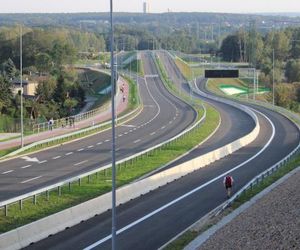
(153, 133)
(91, 146)
(70, 153)
(79, 163)
(99, 143)
(120, 135)
(81, 149)
(31, 179)
(7, 172)
(27, 166)
(107, 140)
(56, 157)
(163, 127)
(137, 141)
(41, 162)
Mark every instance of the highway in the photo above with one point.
(150, 221)
(163, 117)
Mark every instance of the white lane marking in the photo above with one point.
(136, 141)
(174, 118)
(7, 172)
(153, 133)
(163, 127)
(27, 166)
(170, 122)
(130, 131)
(79, 163)
(41, 162)
(32, 179)
(81, 149)
(56, 157)
(97, 243)
(120, 135)
(99, 143)
(91, 146)
(125, 133)
(27, 158)
(70, 153)
(107, 140)
(129, 126)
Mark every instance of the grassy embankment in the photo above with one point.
(100, 183)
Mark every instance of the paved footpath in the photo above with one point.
(101, 117)
(271, 222)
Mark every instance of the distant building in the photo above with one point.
(29, 87)
(146, 7)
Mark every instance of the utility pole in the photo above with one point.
(21, 85)
(113, 228)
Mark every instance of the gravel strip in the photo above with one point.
(273, 222)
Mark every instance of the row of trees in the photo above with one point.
(258, 50)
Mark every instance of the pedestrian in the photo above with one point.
(50, 123)
(228, 183)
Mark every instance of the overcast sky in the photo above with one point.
(156, 6)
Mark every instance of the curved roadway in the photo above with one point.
(150, 221)
(163, 117)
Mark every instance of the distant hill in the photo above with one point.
(92, 20)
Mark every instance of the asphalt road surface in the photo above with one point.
(163, 117)
(150, 221)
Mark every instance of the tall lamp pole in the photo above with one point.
(21, 85)
(273, 78)
(113, 228)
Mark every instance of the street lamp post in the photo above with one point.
(21, 85)
(273, 81)
(113, 228)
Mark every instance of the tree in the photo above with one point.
(10, 69)
(60, 92)
(230, 49)
(292, 71)
(5, 94)
(43, 62)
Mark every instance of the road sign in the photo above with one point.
(221, 73)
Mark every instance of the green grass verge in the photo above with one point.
(100, 184)
(184, 68)
(135, 66)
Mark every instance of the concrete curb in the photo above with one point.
(195, 244)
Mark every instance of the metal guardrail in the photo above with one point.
(58, 186)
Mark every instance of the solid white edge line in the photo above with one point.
(190, 192)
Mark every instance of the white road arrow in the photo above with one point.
(27, 158)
